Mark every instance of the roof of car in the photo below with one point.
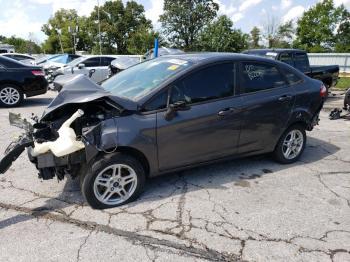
(275, 50)
(6, 54)
(212, 56)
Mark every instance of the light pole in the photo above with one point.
(74, 32)
(99, 25)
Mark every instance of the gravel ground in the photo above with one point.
(242, 210)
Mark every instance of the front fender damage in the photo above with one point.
(62, 152)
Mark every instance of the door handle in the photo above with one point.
(285, 98)
(226, 111)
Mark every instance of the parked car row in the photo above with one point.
(18, 80)
(101, 67)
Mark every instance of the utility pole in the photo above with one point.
(74, 32)
(99, 25)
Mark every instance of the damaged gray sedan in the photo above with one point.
(164, 115)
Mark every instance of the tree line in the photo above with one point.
(191, 26)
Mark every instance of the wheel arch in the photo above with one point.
(10, 82)
(137, 154)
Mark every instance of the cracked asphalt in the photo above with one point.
(249, 209)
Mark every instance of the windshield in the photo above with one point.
(76, 61)
(59, 59)
(139, 80)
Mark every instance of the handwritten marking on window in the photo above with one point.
(253, 72)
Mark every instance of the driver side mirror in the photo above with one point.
(81, 66)
(173, 108)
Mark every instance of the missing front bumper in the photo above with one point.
(13, 151)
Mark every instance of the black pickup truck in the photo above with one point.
(298, 58)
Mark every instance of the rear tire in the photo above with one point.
(10, 95)
(113, 180)
(291, 145)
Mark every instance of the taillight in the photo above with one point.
(323, 91)
(38, 73)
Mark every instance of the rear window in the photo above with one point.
(10, 63)
(301, 62)
(292, 77)
(287, 58)
(260, 76)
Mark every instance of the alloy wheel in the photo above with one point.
(115, 184)
(9, 96)
(293, 144)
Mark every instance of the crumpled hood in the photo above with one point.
(79, 89)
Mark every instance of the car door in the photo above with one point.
(268, 102)
(301, 62)
(209, 128)
(90, 68)
(286, 57)
(104, 69)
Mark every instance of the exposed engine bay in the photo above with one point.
(69, 134)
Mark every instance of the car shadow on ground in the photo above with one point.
(213, 176)
(36, 101)
(236, 171)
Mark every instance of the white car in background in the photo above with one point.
(94, 66)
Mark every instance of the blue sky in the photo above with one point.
(21, 17)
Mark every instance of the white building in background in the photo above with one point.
(5, 48)
(340, 59)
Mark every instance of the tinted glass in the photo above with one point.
(291, 76)
(59, 59)
(301, 62)
(210, 83)
(106, 61)
(158, 102)
(287, 58)
(257, 77)
(10, 63)
(137, 81)
(71, 58)
(92, 62)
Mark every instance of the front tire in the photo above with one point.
(10, 95)
(113, 180)
(291, 145)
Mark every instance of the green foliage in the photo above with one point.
(57, 30)
(140, 41)
(21, 45)
(343, 33)
(183, 21)
(219, 36)
(285, 34)
(317, 28)
(343, 83)
(118, 23)
(254, 38)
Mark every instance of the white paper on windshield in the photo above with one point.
(177, 61)
(271, 54)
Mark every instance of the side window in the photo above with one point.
(301, 62)
(292, 77)
(287, 58)
(258, 76)
(92, 62)
(213, 82)
(157, 102)
(20, 57)
(106, 61)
